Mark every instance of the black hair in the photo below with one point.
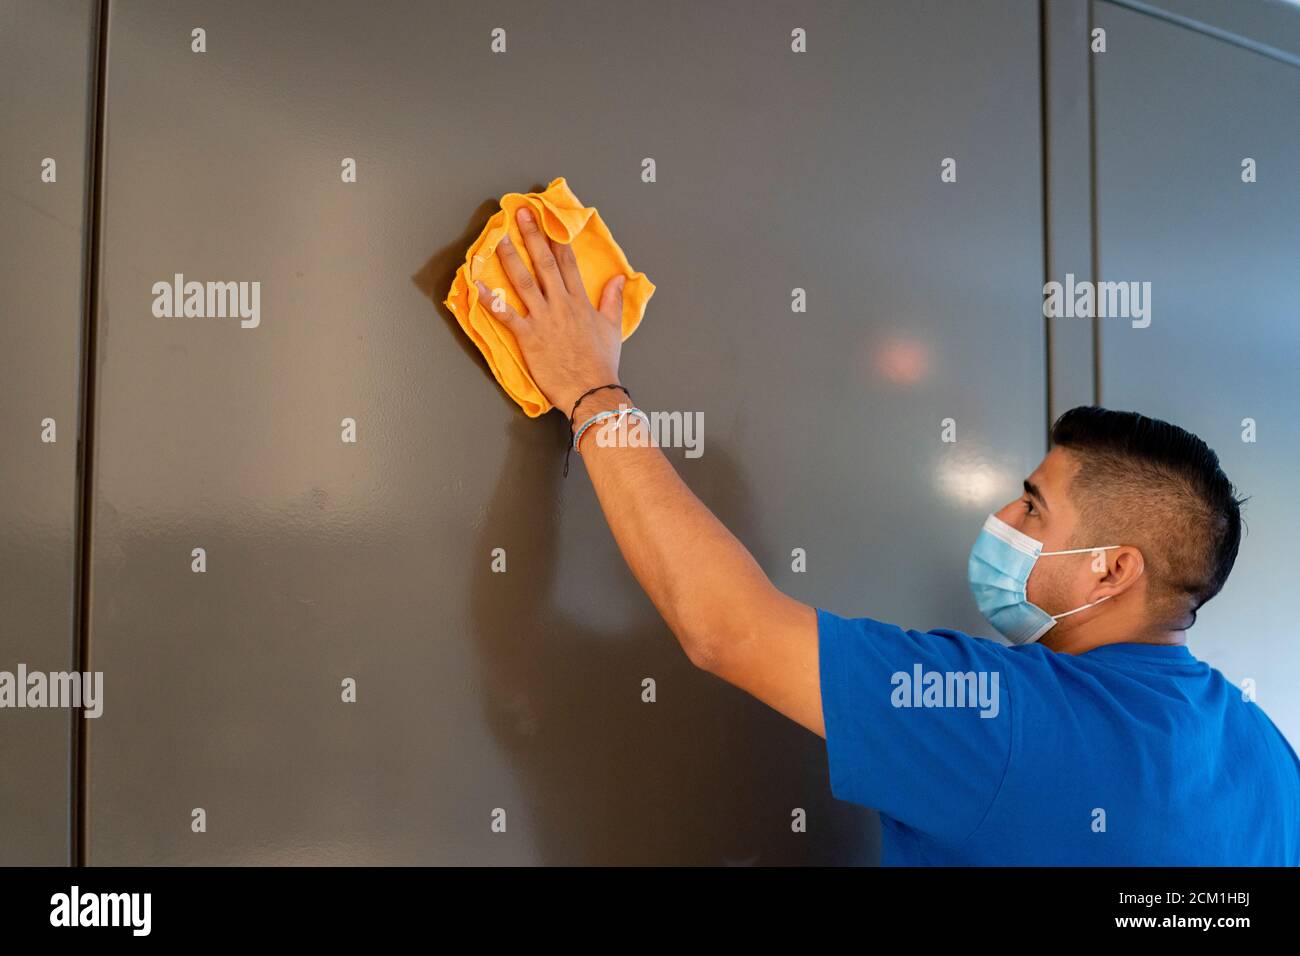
(1154, 485)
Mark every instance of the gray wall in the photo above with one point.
(46, 53)
(327, 560)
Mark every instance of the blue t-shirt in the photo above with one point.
(975, 753)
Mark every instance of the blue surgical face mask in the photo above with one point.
(999, 568)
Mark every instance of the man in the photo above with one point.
(1096, 738)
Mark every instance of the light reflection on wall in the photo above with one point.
(902, 361)
(969, 479)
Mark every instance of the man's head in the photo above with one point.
(1120, 478)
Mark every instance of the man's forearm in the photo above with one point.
(728, 617)
(705, 584)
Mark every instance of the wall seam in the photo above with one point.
(1044, 137)
(86, 427)
(1093, 217)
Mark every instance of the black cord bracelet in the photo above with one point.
(574, 413)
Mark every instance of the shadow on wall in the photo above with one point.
(434, 280)
(706, 775)
(435, 276)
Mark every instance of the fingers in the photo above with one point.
(611, 300)
(539, 250)
(569, 270)
(495, 302)
(523, 281)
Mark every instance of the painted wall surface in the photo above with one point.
(45, 114)
(328, 560)
(246, 561)
(1177, 114)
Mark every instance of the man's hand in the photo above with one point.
(568, 344)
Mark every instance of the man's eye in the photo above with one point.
(1029, 507)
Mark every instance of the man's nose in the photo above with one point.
(1011, 514)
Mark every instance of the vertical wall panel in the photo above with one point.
(1067, 150)
(327, 560)
(46, 49)
(1177, 112)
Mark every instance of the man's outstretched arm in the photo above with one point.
(727, 615)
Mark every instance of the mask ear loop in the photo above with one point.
(1109, 547)
(1057, 617)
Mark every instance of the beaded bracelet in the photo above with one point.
(596, 419)
(602, 416)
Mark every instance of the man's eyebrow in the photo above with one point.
(1031, 489)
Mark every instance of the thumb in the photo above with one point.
(611, 300)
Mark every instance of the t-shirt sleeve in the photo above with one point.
(918, 724)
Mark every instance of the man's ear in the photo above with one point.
(1124, 567)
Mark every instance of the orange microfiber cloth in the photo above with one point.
(565, 220)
